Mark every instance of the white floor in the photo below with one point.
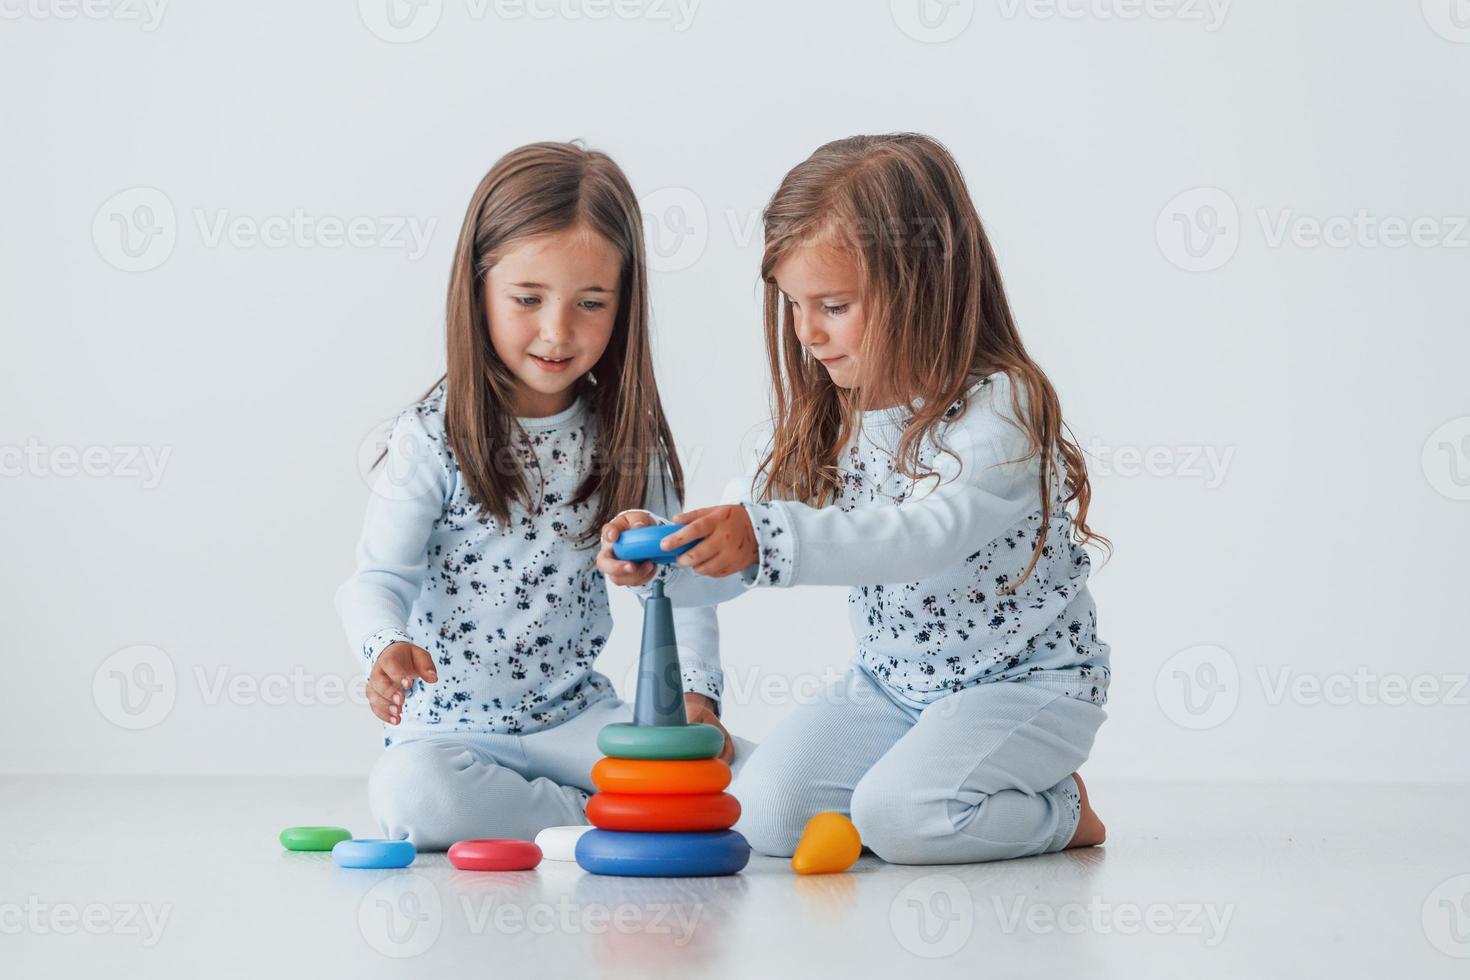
(164, 878)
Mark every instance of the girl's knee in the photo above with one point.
(900, 830)
(902, 827)
(410, 766)
(774, 807)
(408, 788)
(888, 821)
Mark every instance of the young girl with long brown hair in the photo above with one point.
(919, 456)
(476, 605)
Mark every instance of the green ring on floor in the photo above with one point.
(623, 741)
(313, 838)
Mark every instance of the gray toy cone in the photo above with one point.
(660, 696)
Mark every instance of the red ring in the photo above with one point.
(494, 855)
(662, 813)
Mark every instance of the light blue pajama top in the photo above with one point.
(930, 564)
(513, 614)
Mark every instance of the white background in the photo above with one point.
(1325, 546)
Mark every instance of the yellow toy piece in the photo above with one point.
(830, 843)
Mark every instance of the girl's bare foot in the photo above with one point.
(1090, 830)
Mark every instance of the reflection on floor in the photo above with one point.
(184, 877)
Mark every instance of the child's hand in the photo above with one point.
(621, 572)
(700, 709)
(729, 543)
(393, 676)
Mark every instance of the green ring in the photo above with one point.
(313, 838)
(624, 741)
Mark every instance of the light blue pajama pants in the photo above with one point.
(983, 774)
(437, 789)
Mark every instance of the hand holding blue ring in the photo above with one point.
(643, 544)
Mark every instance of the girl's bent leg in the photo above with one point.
(812, 761)
(436, 791)
(985, 774)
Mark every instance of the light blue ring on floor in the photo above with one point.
(372, 853)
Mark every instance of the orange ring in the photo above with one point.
(662, 776)
(661, 813)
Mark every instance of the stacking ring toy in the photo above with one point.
(371, 853)
(660, 776)
(560, 843)
(642, 544)
(624, 741)
(494, 855)
(611, 852)
(653, 813)
(313, 838)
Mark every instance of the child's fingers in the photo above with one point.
(708, 548)
(396, 663)
(631, 574)
(383, 686)
(698, 525)
(612, 529)
(717, 567)
(391, 665)
(424, 664)
(701, 714)
(637, 573)
(624, 522)
(691, 515)
(385, 710)
(621, 572)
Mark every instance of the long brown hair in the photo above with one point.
(535, 190)
(936, 314)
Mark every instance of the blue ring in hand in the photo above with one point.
(642, 544)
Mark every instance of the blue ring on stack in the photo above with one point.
(670, 855)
